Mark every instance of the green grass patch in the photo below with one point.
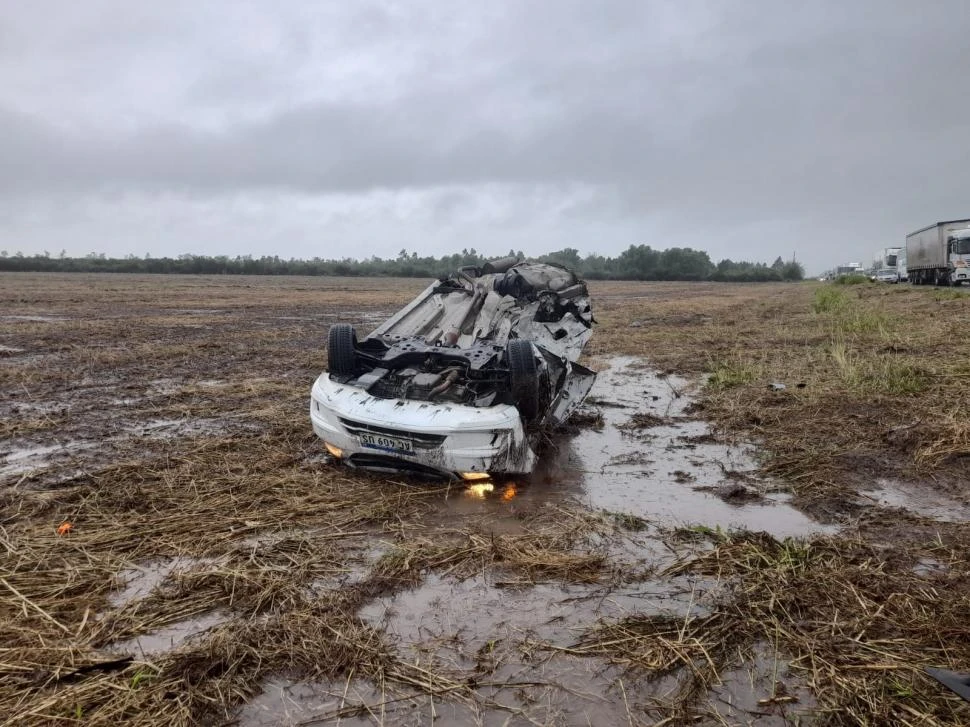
(851, 280)
(849, 318)
(949, 294)
(865, 321)
(725, 374)
(829, 300)
(879, 373)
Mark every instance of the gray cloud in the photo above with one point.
(750, 131)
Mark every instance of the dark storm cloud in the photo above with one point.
(849, 123)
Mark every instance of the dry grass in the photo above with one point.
(856, 621)
(189, 395)
(238, 519)
(872, 375)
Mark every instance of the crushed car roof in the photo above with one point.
(518, 302)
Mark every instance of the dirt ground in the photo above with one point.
(760, 517)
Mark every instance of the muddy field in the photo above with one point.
(760, 517)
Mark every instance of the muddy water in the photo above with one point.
(29, 460)
(169, 637)
(22, 460)
(654, 460)
(763, 686)
(650, 459)
(142, 579)
(919, 499)
(561, 695)
(139, 581)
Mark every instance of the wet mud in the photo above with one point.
(164, 640)
(653, 459)
(140, 580)
(763, 691)
(912, 497)
(647, 458)
(648, 465)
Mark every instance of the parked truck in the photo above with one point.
(939, 254)
(884, 265)
(886, 258)
(850, 269)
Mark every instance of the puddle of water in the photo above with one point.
(170, 637)
(29, 459)
(287, 703)
(919, 499)
(557, 692)
(494, 505)
(141, 580)
(354, 703)
(469, 615)
(649, 459)
(479, 632)
(929, 567)
(762, 688)
(212, 383)
(43, 408)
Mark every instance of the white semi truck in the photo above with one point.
(885, 265)
(886, 258)
(939, 254)
(850, 269)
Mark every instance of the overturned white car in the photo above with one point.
(462, 381)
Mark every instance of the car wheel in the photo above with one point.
(524, 380)
(342, 349)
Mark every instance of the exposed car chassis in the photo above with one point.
(464, 379)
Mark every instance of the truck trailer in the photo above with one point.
(850, 269)
(939, 254)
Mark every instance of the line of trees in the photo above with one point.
(638, 262)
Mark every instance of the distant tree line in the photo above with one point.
(638, 262)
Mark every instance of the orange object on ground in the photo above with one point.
(64, 528)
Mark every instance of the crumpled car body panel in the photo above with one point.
(478, 311)
(463, 379)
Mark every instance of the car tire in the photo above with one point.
(521, 360)
(342, 350)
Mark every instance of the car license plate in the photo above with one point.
(388, 444)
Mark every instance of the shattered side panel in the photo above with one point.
(417, 315)
(566, 337)
(579, 380)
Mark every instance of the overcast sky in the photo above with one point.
(749, 129)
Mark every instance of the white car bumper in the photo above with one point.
(418, 436)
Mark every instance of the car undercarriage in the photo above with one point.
(497, 343)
